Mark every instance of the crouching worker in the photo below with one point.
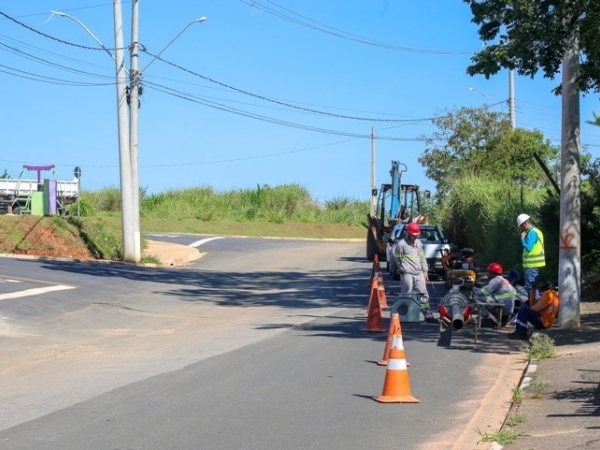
(497, 290)
(541, 313)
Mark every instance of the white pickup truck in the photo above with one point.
(16, 193)
(433, 241)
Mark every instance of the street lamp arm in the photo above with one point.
(199, 20)
(472, 89)
(62, 14)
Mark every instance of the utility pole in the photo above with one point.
(511, 98)
(134, 83)
(124, 155)
(373, 186)
(569, 251)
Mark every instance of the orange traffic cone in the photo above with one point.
(396, 387)
(374, 310)
(394, 329)
(381, 292)
(375, 268)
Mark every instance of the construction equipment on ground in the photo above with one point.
(396, 203)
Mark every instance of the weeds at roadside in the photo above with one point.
(537, 387)
(518, 395)
(514, 419)
(501, 437)
(150, 259)
(540, 346)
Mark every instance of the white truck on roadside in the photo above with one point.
(433, 241)
(24, 195)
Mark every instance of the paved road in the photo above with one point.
(255, 345)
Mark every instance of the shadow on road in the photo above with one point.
(289, 289)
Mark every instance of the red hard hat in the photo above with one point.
(495, 268)
(413, 228)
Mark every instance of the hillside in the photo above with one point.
(41, 236)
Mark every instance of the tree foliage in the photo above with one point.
(476, 141)
(529, 35)
(590, 216)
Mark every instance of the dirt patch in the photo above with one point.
(41, 236)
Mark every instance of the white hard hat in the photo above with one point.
(522, 218)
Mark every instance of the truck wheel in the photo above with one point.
(371, 246)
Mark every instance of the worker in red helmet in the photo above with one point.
(412, 267)
(497, 290)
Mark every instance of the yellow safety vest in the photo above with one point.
(535, 258)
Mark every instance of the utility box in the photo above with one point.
(37, 203)
(49, 197)
(408, 306)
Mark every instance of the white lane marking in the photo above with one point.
(36, 291)
(204, 241)
(5, 280)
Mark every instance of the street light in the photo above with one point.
(472, 89)
(128, 132)
(127, 200)
(62, 14)
(510, 101)
(198, 20)
(135, 79)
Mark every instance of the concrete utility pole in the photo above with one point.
(135, 77)
(124, 154)
(373, 185)
(569, 252)
(511, 98)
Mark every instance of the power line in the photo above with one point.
(289, 105)
(324, 28)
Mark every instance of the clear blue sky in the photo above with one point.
(265, 92)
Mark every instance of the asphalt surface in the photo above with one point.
(561, 414)
(561, 407)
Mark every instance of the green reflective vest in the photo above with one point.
(535, 258)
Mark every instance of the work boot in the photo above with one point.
(517, 336)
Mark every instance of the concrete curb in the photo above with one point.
(180, 257)
(528, 376)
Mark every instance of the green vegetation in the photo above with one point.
(514, 419)
(486, 174)
(536, 388)
(501, 437)
(518, 395)
(203, 205)
(479, 141)
(541, 346)
(280, 211)
(530, 36)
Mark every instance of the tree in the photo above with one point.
(5, 175)
(529, 35)
(482, 142)
(551, 35)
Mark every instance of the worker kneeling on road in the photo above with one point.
(541, 313)
(412, 267)
(497, 290)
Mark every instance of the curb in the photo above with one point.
(528, 376)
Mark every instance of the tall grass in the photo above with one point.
(279, 204)
(480, 212)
